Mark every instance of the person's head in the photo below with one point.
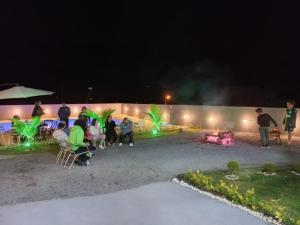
(38, 103)
(16, 117)
(259, 110)
(290, 103)
(109, 118)
(63, 104)
(81, 123)
(83, 109)
(61, 125)
(94, 122)
(125, 120)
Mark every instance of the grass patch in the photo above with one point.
(282, 189)
(52, 147)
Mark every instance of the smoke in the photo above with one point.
(204, 83)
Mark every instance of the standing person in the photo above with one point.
(126, 130)
(37, 111)
(77, 144)
(263, 120)
(64, 113)
(290, 119)
(110, 131)
(83, 116)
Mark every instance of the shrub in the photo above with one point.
(296, 168)
(269, 168)
(233, 166)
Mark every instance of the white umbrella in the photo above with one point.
(22, 92)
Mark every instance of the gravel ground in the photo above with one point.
(27, 178)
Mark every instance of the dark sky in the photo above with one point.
(134, 52)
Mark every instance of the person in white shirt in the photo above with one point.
(96, 133)
(60, 135)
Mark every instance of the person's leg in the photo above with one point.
(261, 136)
(289, 136)
(267, 136)
(130, 135)
(115, 137)
(82, 157)
(121, 138)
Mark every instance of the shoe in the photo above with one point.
(87, 163)
(101, 146)
(263, 146)
(267, 146)
(120, 144)
(131, 144)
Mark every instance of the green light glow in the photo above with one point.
(156, 117)
(100, 117)
(28, 130)
(27, 144)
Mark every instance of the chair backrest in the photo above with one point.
(2, 130)
(55, 124)
(64, 145)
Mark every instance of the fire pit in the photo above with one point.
(221, 138)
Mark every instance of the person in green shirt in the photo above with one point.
(290, 119)
(77, 144)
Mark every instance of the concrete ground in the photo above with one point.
(163, 203)
(28, 178)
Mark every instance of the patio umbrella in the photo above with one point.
(22, 92)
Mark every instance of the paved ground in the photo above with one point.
(162, 203)
(36, 177)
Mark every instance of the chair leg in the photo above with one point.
(75, 157)
(63, 158)
(58, 156)
(67, 160)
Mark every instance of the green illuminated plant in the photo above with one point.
(28, 130)
(100, 117)
(156, 117)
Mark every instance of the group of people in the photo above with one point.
(84, 134)
(264, 121)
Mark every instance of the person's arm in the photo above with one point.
(293, 119)
(273, 121)
(68, 111)
(59, 112)
(257, 120)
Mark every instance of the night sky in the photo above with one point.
(212, 52)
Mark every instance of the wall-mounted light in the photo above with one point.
(98, 109)
(47, 111)
(126, 109)
(137, 111)
(210, 119)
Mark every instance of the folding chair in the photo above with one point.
(63, 152)
(75, 156)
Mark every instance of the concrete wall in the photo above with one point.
(207, 117)
(24, 111)
(211, 117)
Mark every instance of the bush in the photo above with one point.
(296, 168)
(233, 166)
(269, 168)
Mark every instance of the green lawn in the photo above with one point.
(284, 186)
(51, 145)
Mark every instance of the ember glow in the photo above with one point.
(222, 138)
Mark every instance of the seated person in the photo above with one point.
(60, 135)
(96, 133)
(126, 131)
(77, 144)
(110, 131)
